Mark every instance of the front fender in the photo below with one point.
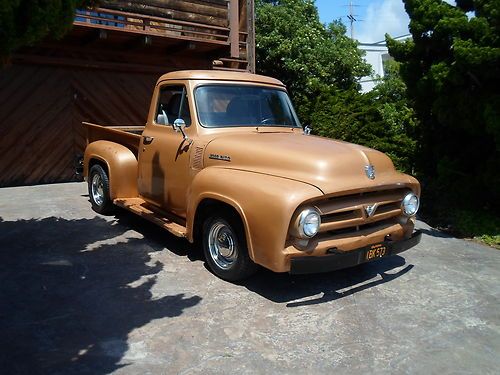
(265, 203)
(121, 164)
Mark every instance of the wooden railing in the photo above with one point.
(108, 19)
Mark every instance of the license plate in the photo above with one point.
(376, 251)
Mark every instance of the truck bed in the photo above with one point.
(128, 136)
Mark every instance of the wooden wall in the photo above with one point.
(105, 74)
(42, 111)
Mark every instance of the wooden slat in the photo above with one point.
(146, 32)
(216, 18)
(229, 69)
(149, 28)
(250, 41)
(234, 25)
(204, 8)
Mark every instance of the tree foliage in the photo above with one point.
(293, 45)
(452, 70)
(380, 119)
(321, 67)
(25, 22)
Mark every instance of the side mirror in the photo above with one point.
(307, 130)
(180, 126)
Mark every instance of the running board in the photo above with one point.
(140, 207)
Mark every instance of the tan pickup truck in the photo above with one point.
(224, 162)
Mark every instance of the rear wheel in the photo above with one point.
(225, 248)
(99, 190)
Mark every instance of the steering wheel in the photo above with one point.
(268, 121)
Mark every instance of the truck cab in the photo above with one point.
(224, 162)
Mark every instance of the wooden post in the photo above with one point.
(251, 35)
(234, 28)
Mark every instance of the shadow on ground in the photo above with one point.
(294, 290)
(71, 292)
(303, 290)
(436, 233)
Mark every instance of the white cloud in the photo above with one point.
(388, 16)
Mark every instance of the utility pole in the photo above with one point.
(352, 17)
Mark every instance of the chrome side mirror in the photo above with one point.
(307, 130)
(180, 126)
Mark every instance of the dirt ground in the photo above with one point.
(87, 294)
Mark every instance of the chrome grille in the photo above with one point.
(349, 213)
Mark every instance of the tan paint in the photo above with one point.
(265, 203)
(274, 172)
(121, 163)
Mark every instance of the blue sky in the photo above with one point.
(379, 17)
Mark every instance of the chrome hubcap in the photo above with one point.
(97, 190)
(222, 245)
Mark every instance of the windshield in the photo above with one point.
(232, 105)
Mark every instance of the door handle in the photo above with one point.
(147, 140)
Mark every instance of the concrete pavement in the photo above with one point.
(82, 293)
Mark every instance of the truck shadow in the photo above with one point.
(294, 290)
(304, 290)
(72, 291)
(158, 236)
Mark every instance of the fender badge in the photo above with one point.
(370, 171)
(219, 157)
(370, 210)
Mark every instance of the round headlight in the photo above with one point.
(410, 204)
(308, 223)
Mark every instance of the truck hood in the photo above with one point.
(330, 165)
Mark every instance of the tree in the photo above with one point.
(294, 46)
(399, 118)
(321, 67)
(380, 119)
(25, 22)
(452, 70)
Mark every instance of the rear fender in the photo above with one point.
(121, 164)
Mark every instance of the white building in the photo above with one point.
(376, 55)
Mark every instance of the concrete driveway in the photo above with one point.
(87, 294)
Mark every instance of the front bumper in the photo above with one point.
(338, 260)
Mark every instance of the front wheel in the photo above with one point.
(225, 247)
(99, 190)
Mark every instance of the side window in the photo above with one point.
(172, 104)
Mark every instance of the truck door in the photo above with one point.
(164, 154)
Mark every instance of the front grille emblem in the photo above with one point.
(370, 171)
(370, 210)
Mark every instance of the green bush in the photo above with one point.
(451, 69)
(481, 225)
(321, 67)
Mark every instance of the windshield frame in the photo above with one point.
(295, 118)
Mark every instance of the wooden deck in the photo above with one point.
(218, 26)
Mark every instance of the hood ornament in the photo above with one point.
(370, 171)
(370, 210)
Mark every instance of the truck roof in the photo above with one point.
(219, 75)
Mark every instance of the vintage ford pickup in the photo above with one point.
(224, 162)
